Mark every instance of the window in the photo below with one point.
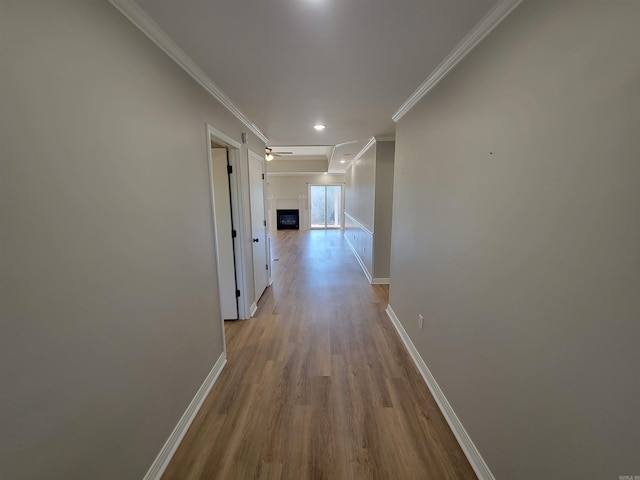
(325, 206)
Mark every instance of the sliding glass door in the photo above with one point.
(325, 205)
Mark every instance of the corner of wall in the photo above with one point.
(471, 452)
(161, 462)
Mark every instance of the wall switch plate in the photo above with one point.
(420, 321)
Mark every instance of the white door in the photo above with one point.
(258, 224)
(225, 250)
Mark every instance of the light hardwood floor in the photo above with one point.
(318, 385)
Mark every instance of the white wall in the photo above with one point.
(368, 209)
(299, 165)
(108, 297)
(292, 191)
(360, 239)
(360, 189)
(385, 153)
(516, 234)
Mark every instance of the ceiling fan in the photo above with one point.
(269, 154)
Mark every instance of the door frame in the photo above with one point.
(236, 187)
(225, 241)
(267, 243)
(341, 213)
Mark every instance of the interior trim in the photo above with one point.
(368, 145)
(151, 29)
(356, 221)
(256, 156)
(223, 137)
(237, 188)
(362, 265)
(498, 13)
(471, 452)
(166, 453)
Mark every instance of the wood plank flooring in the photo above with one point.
(318, 385)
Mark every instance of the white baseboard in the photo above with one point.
(467, 445)
(253, 309)
(166, 453)
(355, 252)
(380, 281)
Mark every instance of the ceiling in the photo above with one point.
(288, 64)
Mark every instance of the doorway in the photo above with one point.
(223, 218)
(261, 271)
(325, 206)
(227, 215)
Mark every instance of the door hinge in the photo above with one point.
(266, 266)
(237, 293)
(233, 234)
(263, 176)
(229, 169)
(264, 222)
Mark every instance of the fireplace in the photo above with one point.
(288, 219)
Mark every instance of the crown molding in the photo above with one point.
(151, 29)
(498, 13)
(367, 146)
(333, 152)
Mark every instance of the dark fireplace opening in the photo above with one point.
(288, 219)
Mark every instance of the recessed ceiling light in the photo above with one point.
(319, 126)
(343, 161)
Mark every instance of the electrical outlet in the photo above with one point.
(420, 321)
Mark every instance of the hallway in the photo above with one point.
(318, 384)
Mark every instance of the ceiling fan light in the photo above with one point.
(268, 155)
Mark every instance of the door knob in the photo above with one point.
(256, 240)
